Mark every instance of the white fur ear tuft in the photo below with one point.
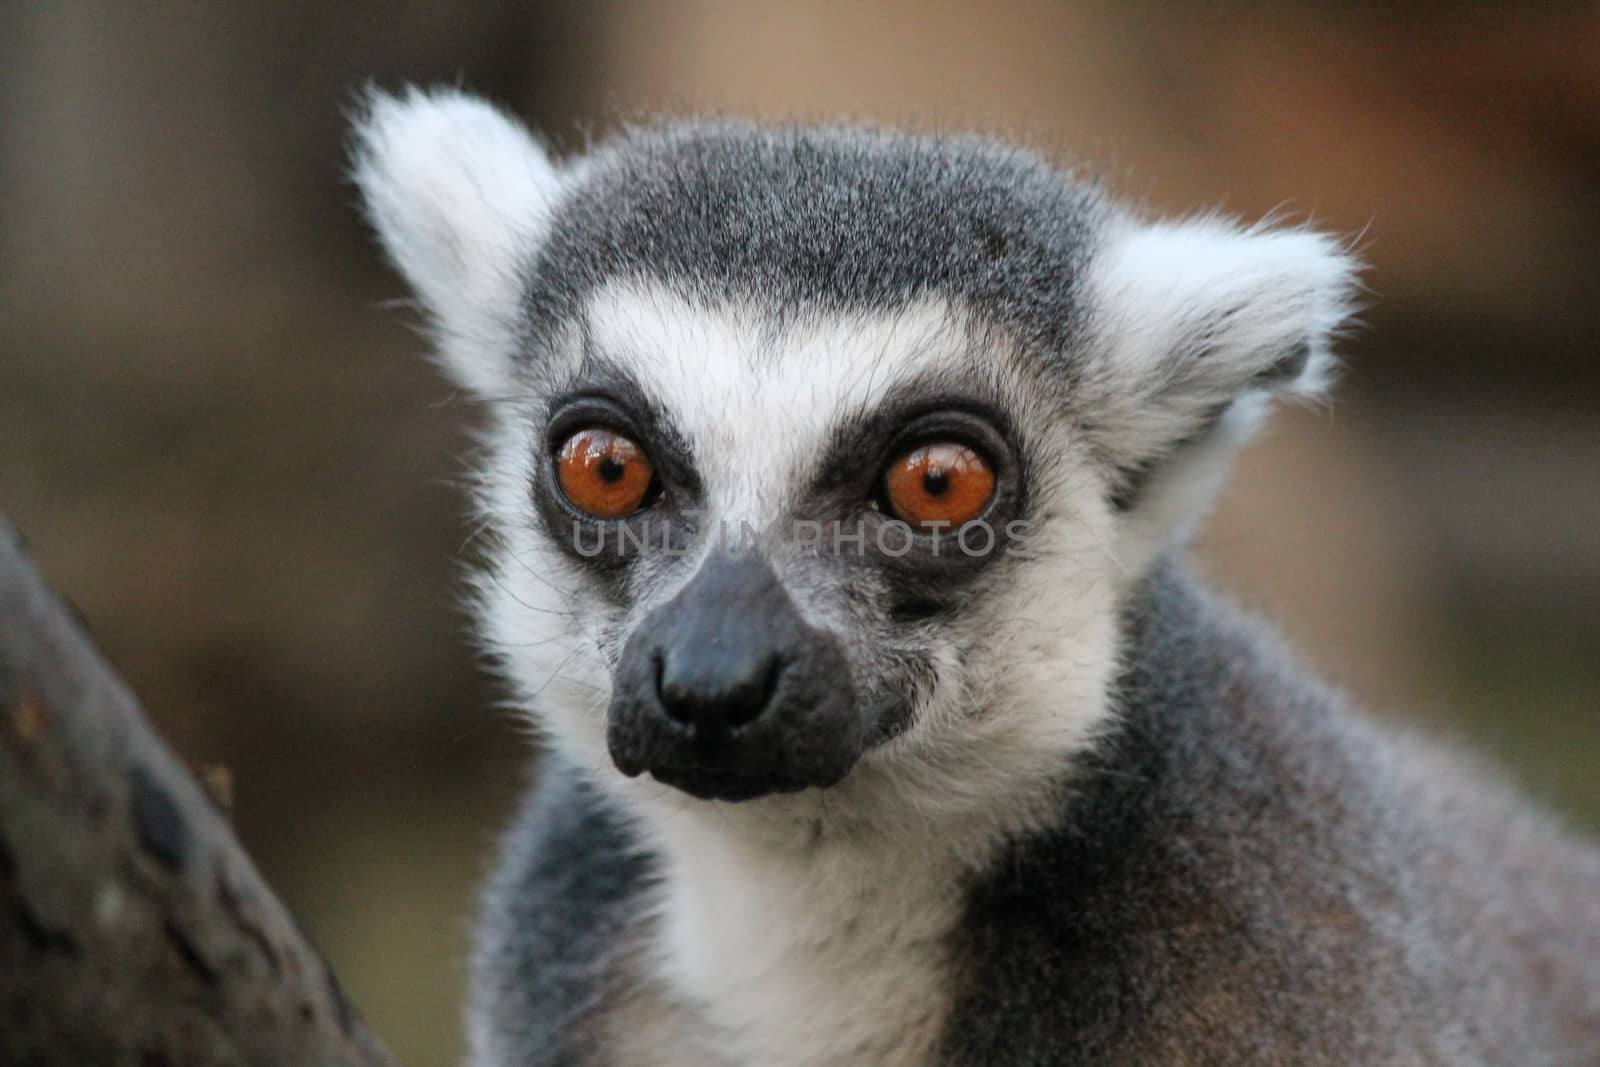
(460, 194)
(1197, 324)
(1194, 314)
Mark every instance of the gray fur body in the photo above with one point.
(1049, 802)
(1245, 872)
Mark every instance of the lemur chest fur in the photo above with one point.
(816, 956)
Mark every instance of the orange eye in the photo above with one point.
(943, 482)
(604, 473)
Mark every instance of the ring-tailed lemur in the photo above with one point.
(942, 757)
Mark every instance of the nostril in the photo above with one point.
(753, 699)
(672, 697)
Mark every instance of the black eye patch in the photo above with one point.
(602, 396)
(922, 569)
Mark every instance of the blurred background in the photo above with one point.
(229, 453)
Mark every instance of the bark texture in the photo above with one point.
(133, 928)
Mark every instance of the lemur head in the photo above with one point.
(821, 456)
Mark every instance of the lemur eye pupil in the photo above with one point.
(603, 473)
(938, 485)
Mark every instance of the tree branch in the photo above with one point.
(133, 927)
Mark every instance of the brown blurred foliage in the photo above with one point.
(224, 447)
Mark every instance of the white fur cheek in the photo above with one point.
(1049, 652)
(1019, 688)
(545, 649)
(537, 618)
(1059, 648)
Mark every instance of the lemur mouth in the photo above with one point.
(722, 785)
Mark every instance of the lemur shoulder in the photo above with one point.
(946, 758)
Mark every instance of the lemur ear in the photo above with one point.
(1199, 324)
(459, 193)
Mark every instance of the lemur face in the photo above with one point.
(820, 457)
(790, 532)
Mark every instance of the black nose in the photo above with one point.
(717, 648)
(726, 692)
(716, 685)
